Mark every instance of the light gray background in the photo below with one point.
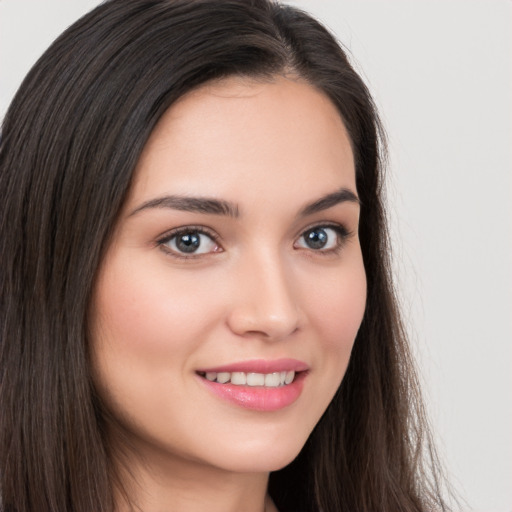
(441, 73)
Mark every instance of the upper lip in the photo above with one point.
(259, 366)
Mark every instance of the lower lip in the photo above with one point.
(259, 398)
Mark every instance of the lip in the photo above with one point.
(257, 398)
(260, 366)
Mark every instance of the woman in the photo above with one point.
(197, 310)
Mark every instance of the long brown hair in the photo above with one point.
(70, 142)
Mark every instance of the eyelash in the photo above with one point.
(343, 234)
(201, 230)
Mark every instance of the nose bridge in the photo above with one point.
(265, 302)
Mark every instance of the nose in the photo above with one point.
(264, 303)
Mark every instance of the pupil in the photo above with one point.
(316, 238)
(188, 242)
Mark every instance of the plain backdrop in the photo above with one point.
(441, 73)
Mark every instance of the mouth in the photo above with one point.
(257, 385)
(251, 379)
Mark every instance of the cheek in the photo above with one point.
(336, 311)
(338, 307)
(145, 314)
(144, 332)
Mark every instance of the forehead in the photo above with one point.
(239, 134)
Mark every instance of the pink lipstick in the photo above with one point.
(261, 385)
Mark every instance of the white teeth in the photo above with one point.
(223, 377)
(255, 379)
(238, 378)
(289, 377)
(270, 380)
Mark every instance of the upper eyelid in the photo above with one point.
(204, 230)
(338, 226)
(342, 232)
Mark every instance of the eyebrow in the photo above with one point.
(342, 195)
(221, 207)
(191, 204)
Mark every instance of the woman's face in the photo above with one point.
(235, 268)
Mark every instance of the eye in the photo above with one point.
(322, 238)
(189, 242)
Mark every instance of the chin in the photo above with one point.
(259, 456)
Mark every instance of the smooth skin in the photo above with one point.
(256, 283)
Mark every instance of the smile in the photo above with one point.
(258, 385)
(269, 380)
